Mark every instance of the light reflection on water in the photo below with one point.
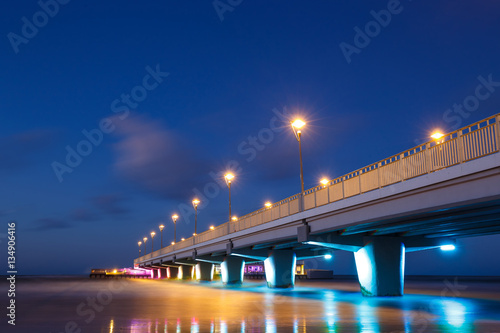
(315, 309)
(173, 306)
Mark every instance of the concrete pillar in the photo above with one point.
(380, 265)
(162, 273)
(173, 272)
(185, 272)
(280, 269)
(232, 269)
(204, 271)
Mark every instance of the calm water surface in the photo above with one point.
(84, 305)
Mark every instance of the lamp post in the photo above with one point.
(145, 239)
(161, 235)
(174, 218)
(139, 243)
(152, 240)
(228, 177)
(297, 124)
(325, 182)
(195, 205)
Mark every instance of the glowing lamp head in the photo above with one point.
(114, 271)
(153, 234)
(175, 217)
(161, 227)
(234, 218)
(298, 124)
(183, 239)
(212, 227)
(139, 243)
(448, 247)
(194, 234)
(228, 177)
(328, 256)
(437, 135)
(172, 243)
(196, 203)
(268, 204)
(145, 239)
(324, 181)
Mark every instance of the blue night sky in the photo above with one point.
(173, 92)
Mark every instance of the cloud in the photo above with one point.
(157, 160)
(82, 215)
(18, 150)
(50, 224)
(107, 204)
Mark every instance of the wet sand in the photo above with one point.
(69, 304)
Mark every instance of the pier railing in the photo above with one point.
(468, 143)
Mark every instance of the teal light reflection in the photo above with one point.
(330, 311)
(270, 324)
(367, 318)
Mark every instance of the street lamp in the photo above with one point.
(174, 218)
(234, 218)
(152, 240)
(145, 239)
(324, 182)
(139, 243)
(195, 205)
(268, 204)
(161, 235)
(229, 177)
(212, 227)
(297, 124)
(436, 136)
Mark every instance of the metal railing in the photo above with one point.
(471, 142)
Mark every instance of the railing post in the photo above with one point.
(328, 191)
(461, 152)
(378, 174)
(428, 158)
(343, 190)
(359, 180)
(401, 167)
(497, 118)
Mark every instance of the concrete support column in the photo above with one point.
(380, 265)
(280, 269)
(204, 271)
(173, 272)
(232, 269)
(162, 273)
(185, 272)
